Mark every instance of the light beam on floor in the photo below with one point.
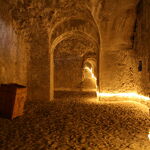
(131, 95)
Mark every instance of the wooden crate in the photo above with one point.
(12, 99)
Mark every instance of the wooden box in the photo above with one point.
(12, 99)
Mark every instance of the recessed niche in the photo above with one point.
(140, 67)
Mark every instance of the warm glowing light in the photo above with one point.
(149, 135)
(121, 95)
(91, 72)
(124, 95)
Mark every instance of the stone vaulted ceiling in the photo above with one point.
(113, 19)
(101, 29)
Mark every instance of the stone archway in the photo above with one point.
(74, 21)
(90, 74)
(90, 46)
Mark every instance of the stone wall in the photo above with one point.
(68, 63)
(68, 73)
(73, 35)
(119, 72)
(13, 60)
(31, 21)
(38, 64)
(142, 43)
(31, 30)
(118, 66)
(24, 46)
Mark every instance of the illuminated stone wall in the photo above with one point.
(42, 37)
(117, 57)
(73, 35)
(119, 72)
(68, 64)
(125, 44)
(12, 50)
(26, 46)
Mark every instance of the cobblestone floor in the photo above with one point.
(77, 123)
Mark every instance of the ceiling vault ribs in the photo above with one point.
(75, 19)
(70, 34)
(69, 19)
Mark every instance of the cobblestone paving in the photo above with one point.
(77, 124)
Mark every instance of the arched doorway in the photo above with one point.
(67, 57)
(89, 76)
(71, 25)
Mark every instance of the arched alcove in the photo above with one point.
(89, 75)
(67, 57)
(71, 23)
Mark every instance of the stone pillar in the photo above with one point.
(38, 64)
(51, 75)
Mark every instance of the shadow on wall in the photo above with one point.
(12, 54)
(68, 72)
